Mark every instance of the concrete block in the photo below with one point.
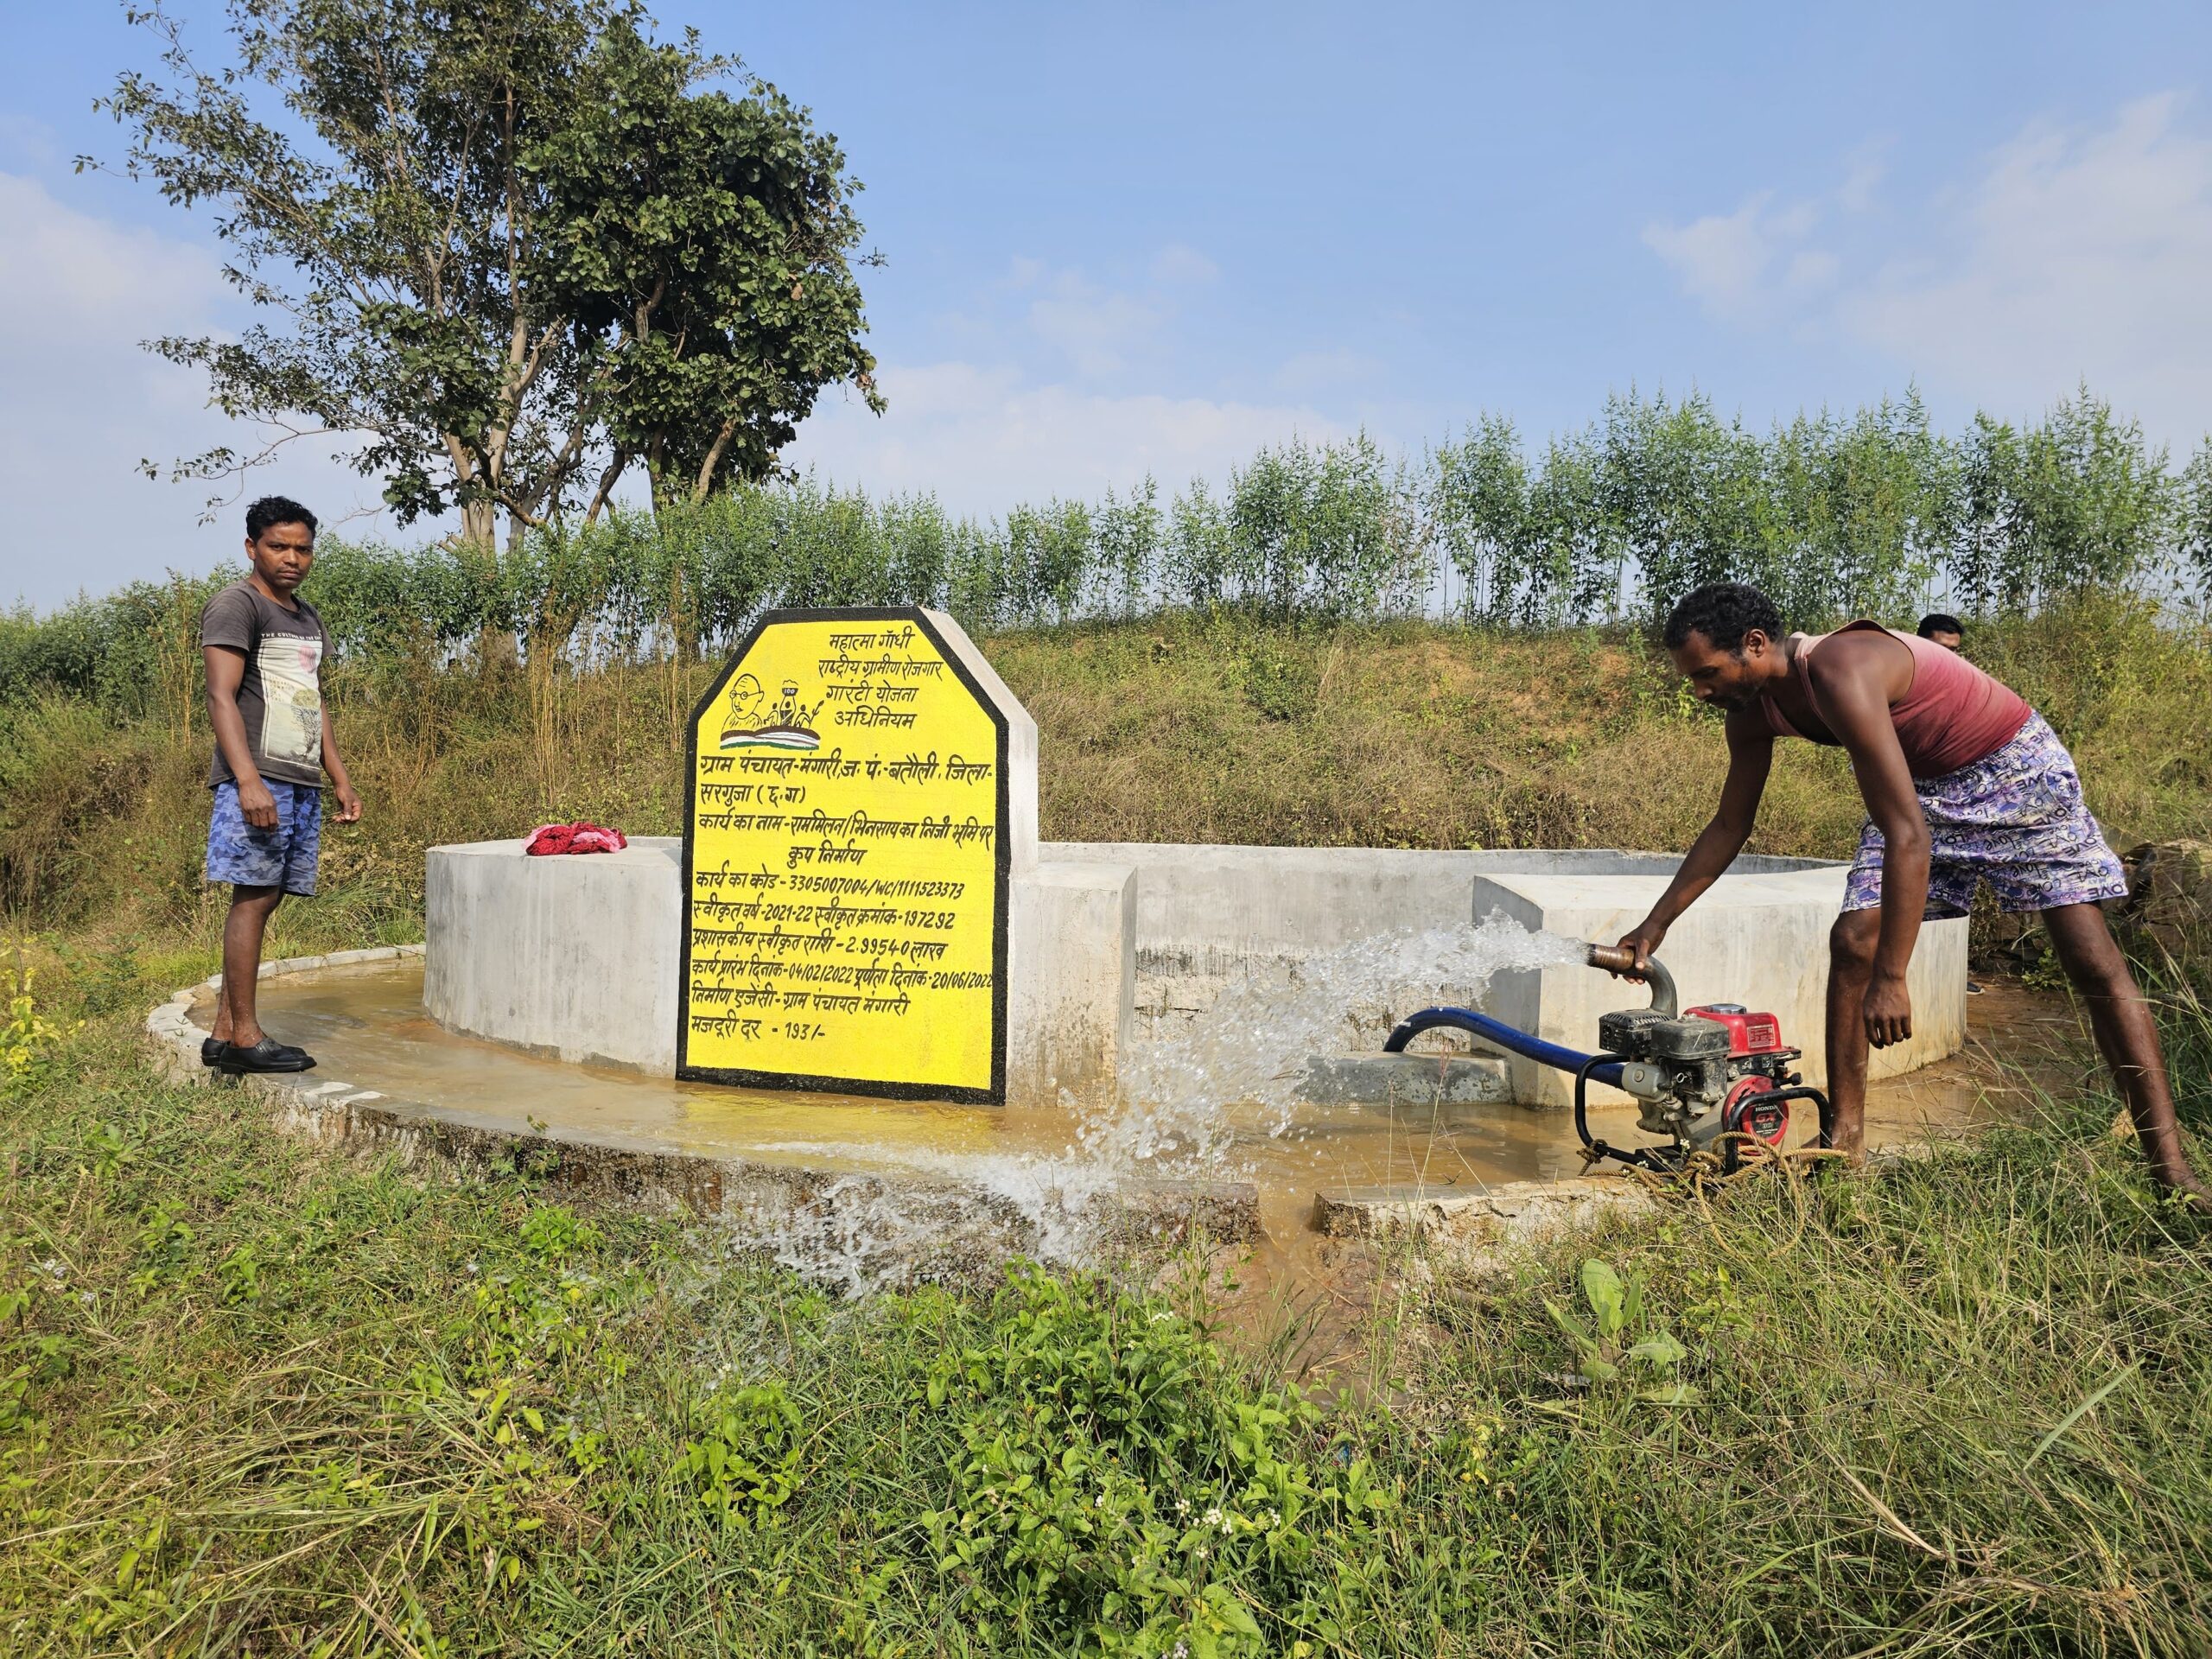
(1760, 939)
(1071, 961)
(575, 957)
(1518, 1213)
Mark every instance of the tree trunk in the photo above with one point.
(479, 537)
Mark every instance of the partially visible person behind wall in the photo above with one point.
(263, 647)
(1940, 628)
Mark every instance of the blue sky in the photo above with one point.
(1148, 238)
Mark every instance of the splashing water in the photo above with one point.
(1186, 1102)
(1237, 1066)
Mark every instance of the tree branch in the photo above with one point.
(706, 478)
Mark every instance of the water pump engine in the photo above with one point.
(1693, 1076)
(1716, 1078)
(1718, 1073)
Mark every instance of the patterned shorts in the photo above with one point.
(282, 857)
(2014, 819)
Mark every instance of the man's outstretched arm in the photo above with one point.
(1750, 754)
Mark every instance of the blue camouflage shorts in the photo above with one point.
(2015, 820)
(281, 858)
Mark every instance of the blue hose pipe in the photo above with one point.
(1499, 1034)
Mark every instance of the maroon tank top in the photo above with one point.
(1952, 715)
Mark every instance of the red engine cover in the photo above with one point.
(1768, 1122)
(1748, 1033)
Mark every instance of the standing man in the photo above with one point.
(264, 647)
(1963, 782)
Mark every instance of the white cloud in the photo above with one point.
(2070, 254)
(1030, 403)
(26, 141)
(84, 403)
(1097, 329)
(1813, 269)
(1035, 401)
(64, 272)
(1725, 261)
(1864, 170)
(984, 439)
(1176, 263)
(2074, 255)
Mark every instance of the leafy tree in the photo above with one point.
(1864, 510)
(2078, 502)
(1680, 492)
(418, 208)
(701, 241)
(2195, 525)
(1479, 502)
(1569, 560)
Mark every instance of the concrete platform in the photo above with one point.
(1111, 944)
(576, 958)
(881, 1229)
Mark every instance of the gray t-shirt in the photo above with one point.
(280, 697)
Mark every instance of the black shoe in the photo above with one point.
(212, 1053)
(267, 1055)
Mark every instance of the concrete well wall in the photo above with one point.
(1208, 910)
(576, 958)
(1759, 935)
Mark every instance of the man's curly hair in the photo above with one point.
(274, 510)
(1724, 612)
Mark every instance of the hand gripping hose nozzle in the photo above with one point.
(1619, 959)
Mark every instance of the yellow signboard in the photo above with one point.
(845, 864)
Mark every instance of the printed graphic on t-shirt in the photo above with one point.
(291, 692)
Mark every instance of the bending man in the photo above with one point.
(1963, 783)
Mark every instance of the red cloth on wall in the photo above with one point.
(548, 839)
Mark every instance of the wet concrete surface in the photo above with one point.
(366, 1024)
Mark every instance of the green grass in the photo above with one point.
(260, 1399)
